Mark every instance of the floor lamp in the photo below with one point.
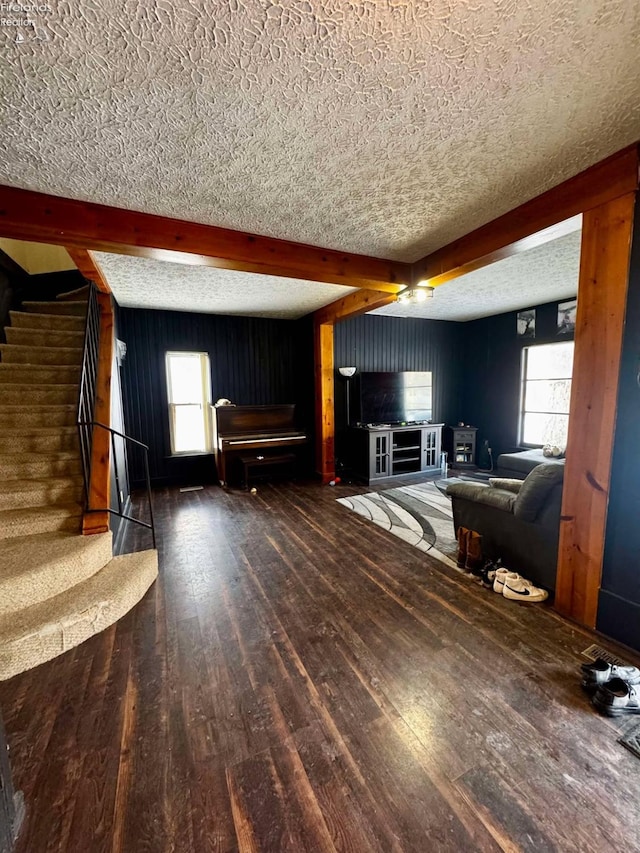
(347, 372)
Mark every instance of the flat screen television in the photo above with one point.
(393, 398)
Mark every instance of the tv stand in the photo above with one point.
(384, 452)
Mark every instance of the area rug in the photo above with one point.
(420, 515)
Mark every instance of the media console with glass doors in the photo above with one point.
(384, 451)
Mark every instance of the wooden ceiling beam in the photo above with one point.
(89, 267)
(26, 215)
(353, 304)
(535, 222)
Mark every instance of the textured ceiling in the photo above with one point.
(530, 278)
(143, 283)
(540, 275)
(387, 128)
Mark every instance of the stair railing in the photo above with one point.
(98, 439)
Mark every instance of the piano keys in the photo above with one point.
(238, 430)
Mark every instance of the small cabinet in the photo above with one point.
(395, 452)
(460, 443)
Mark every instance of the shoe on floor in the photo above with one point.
(463, 538)
(498, 581)
(473, 563)
(491, 568)
(487, 574)
(599, 672)
(617, 698)
(517, 588)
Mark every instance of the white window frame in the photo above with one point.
(523, 383)
(204, 402)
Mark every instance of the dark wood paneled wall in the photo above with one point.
(619, 601)
(490, 387)
(253, 361)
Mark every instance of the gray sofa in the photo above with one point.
(519, 464)
(519, 523)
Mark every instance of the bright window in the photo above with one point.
(188, 384)
(546, 394)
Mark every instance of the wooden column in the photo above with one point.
(99, 487)
(602, 296)
(324, 388)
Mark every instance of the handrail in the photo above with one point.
(94, 452)
(150, 525)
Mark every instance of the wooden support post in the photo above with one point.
(99, 487)
(602, 296)
(324, 382)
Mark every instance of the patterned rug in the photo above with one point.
(420, 514)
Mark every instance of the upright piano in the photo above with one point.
(260, 430)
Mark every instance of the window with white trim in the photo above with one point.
(546, 394)
(188, 391)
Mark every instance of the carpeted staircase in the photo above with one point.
(57, 587)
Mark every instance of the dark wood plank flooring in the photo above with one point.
(300, 680)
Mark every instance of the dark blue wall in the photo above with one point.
(390, 344)
(492, 373)
(253, 361)
(619, 605)
(375, 343)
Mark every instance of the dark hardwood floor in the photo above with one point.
(300, 680)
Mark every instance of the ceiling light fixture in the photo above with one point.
(418, 293)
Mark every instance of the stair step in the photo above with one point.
(39, 440)
(34, 374)
(43, 519)
(36, 568)
(75, 295)
(30, 337)
(75, 309)
(30, 415)
(19, 494)
(36, 466)
(41, 632)
(58, 322)
(18, 354)
(46, 395)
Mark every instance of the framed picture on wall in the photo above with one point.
(567, 317)
(526, 323)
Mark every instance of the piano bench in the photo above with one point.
(260, 461)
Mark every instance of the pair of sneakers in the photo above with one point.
(516, 588)
(615, 687)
